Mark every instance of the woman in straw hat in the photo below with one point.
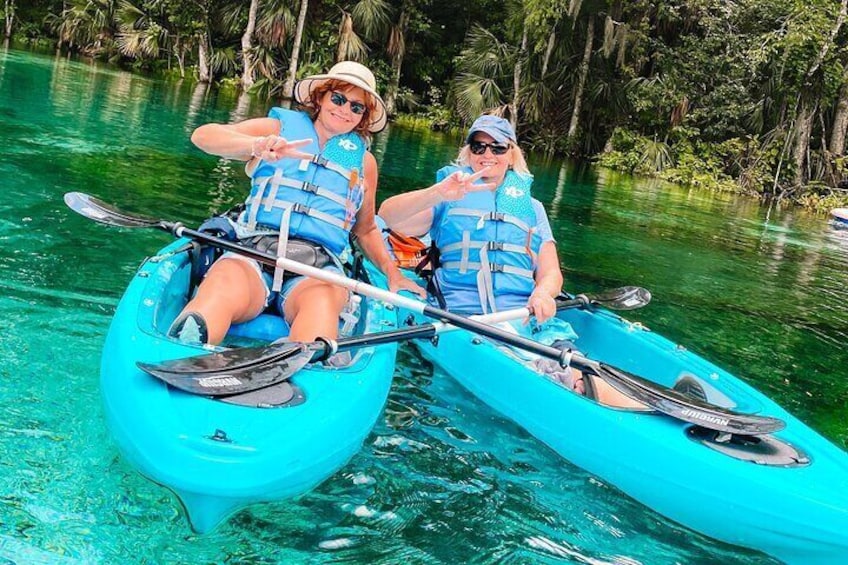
(313, 183)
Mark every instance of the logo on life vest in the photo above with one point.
(347, 144)
(513, 191)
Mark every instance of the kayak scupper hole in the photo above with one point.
(220, 435)
(761, 450)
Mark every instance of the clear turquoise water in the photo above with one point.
(442, 479)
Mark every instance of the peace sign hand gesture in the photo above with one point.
(272, 148)
(458, 184)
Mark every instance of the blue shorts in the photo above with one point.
(278, 299)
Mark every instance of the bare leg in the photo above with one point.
(231, 292)
(312, 309)
(609, 396)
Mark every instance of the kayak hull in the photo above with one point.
(218, 457)
(798, 513)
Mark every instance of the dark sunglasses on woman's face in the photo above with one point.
(479, 147)
(340, 99)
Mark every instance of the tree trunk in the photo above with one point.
(831, 42)
(840, 122)
(397, 49)
(288, 89)
(549, 49)
(804, 127)
(581, 79)
(247, 55)
(203, 71)
(516, 78)
(10, 17)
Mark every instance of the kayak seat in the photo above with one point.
(698, 389)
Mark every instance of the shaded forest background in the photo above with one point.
(745, 95)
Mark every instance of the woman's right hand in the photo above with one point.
(272, 148)
(456, 185)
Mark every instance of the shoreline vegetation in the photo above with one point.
(748, 97)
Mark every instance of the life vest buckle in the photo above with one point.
(301, 208)
(310, 187)
(496, 268)
(320, 160)
(495, 246)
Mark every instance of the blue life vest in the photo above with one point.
(314, 200)
(488, 246)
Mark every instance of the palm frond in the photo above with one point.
(373, 17)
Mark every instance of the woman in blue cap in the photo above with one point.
(496, 247)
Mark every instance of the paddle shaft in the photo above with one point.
(658, 397)
(637, 387)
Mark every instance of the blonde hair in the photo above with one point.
(518, 164)
(317, 93)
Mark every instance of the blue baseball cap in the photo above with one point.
(499, 128)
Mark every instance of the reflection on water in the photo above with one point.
(442, 479)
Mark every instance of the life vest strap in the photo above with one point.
(489, 216)
(492, 267)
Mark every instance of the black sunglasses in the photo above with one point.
(479, 147)
(340, 99)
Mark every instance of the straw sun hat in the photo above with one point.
(352, 73)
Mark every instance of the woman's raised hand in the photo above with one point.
(272, 148)
(458, 184)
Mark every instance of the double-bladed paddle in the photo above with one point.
(242, 359)
(656, 396)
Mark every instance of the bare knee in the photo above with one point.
(313, 310)
(233, 291)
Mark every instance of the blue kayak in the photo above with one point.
(840, 216)
(216, 456)
(785, 493)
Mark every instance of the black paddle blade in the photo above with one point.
(225, 362)
(99, 211)
(235, 381)
(682, 407)
(623, 298)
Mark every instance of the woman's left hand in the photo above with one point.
(398, 282)
(542, 305)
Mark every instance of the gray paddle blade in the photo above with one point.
(236, 381)
(680, 406)
(623, 298)
(99, 211)
(223, 362)
(282, 395)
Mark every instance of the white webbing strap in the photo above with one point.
(490, 245)
(336, 168)
(493, 267)
(485, 288)
(464, 245)
(483, 217)
(282, 248)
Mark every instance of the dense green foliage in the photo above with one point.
(748, 95)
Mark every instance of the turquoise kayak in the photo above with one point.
(219, 457)
(784, 493)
